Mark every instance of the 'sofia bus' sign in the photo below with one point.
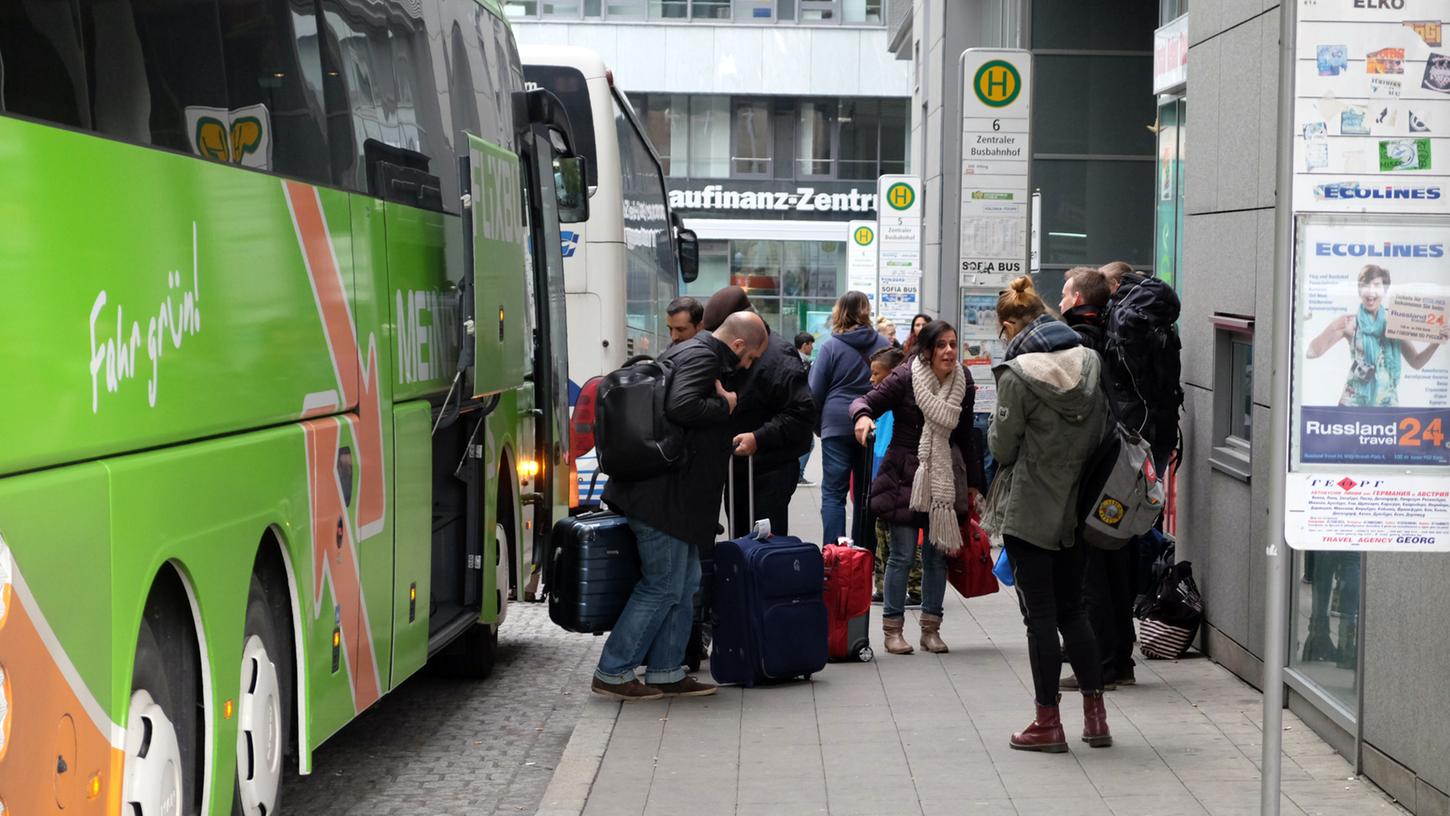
(803, 199)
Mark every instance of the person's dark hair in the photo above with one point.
(927, 337)
(803, 338)
(1115, 270)
(891, 356)
(1091, 284)
(914, 319)
(852, 310)
(722, 304)
(687, 304)
(1371, 272)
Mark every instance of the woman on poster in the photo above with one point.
(1375, 359)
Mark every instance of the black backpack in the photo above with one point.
(1141, 356)
(632, 437)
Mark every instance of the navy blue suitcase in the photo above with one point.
(594, 569)
(769, 614)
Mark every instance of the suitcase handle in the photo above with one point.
(760, 528)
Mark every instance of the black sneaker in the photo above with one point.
(633, 690)
(1109, 683)
(688, 687)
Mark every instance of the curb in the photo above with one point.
(568, 790)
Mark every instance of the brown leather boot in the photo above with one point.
(895, 643)
(930, 634)
(1044, 734)
(1095, 720)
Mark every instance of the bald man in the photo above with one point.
(673, 514)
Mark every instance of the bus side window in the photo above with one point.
(274, 87)
(42, 63)
(157, 71)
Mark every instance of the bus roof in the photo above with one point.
(586, 60)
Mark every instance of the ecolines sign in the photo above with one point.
(1388, 249)
(1350, 190)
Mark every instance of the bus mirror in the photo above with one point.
(689, 247)
(571, 190)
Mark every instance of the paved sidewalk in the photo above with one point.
(928, 734)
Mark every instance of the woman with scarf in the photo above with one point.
(928, 477)
(1050, 417)
(1375, 360)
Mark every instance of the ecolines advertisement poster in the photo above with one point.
(1372, 373)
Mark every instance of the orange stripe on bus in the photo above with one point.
(328, 286)
(48, 720)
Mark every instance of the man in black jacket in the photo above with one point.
(674, 513)
(774, 424)
(1085, 303)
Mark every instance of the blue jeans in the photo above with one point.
(898, 565)
(806, 457)
(654, 627)
(989, 465)
(840, 457)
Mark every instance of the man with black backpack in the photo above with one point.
(673, 512)
(774, 423)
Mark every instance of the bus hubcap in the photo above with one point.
(151, 784)
(259, 730)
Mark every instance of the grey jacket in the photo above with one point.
(1050, 418)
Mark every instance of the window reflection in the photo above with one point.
(1326, 622)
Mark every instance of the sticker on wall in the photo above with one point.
(1385, 61)
(1437, 74)
(1404, 154)
(1385, 87)
(1417, 125)
(1429, 31)
(1333, 59)
(1316, 154)
(1388, 115)
(1353, 121)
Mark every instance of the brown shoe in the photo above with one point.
(895, 643)
(633, 690)
(688, 687)
(930, 634)
(1044, 734)
(1095, 720)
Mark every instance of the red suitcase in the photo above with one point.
(848, 602)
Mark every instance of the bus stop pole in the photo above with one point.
(1276, 613)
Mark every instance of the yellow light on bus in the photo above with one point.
(413, 592)
(93, 787)
(528, 469)
(227, 710)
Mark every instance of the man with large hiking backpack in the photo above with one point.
(1140, 349)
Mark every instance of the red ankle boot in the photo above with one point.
(1044, 734)
(1095, 720)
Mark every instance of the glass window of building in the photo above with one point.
(790, 283)
(816, 139)
(710, 9)
(1098, 25)
(860, 126)
(1326, 604)
(623, 9)
(818, 10)
(1233, 395)
(1093, 104)
(709, 136)
(752, 142)
(863, 11)
(570, 8)
(754, 10)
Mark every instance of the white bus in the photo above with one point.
(625, 264)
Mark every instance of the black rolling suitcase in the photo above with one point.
(593, 571)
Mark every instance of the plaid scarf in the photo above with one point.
(1046, 333)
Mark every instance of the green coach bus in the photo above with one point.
(282, 356)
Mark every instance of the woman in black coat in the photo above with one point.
(931, 395)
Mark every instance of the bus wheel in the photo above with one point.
(153, 781)
(262, 710)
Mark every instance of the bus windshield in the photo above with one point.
(573, 90)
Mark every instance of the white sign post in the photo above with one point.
(996, 163)
(898, 218)
(1360, 293)
(861, 260)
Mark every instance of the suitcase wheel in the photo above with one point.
(864, 654)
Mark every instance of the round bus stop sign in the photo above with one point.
(900, 196)
(997, 83)
(865, 235)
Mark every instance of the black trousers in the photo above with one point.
(773, 491)
(1109, 590)
(1049, 592)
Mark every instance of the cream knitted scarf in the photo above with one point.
(932, 490)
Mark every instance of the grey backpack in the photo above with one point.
(1120, 494)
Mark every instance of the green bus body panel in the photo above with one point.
(424, 301)
(413, 525)
(501, 276)
(157, 318)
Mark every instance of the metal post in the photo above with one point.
(1276, 613)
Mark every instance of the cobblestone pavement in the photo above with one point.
(445, 746)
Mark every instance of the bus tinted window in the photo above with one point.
(42, 64)
(157, 72)
(649, 256)
(274, 77)
(569, 85)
